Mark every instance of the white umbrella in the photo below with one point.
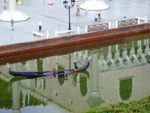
(95, 5)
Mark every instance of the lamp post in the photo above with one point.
(68, 5)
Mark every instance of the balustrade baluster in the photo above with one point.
(126, 59)
(102, 63)
(117, 58)
(109, 59)
(133, 56)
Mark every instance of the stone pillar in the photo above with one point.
(109, 57)
(75, 57)
(15, 98)
(95, 72)
(133, 56)
(85, 56)
(12, 5)
(78, 80)
(118, 60)
(94, 98)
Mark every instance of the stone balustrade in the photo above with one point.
(127, 22)
(120, 55)
(98, 27)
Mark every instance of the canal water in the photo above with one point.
(117, 73)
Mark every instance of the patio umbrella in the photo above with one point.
(94, 5)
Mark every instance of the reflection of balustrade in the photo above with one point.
(81, 56)
(147, 51)
(117, 59)
(102, 63)
(75, 57)
(35, 94)
(138, 54)
(125, 57)
(110, 60)
(133, 56)
(85, 56)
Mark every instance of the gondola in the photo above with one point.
(60, 73)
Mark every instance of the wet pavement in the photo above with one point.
(55, 17)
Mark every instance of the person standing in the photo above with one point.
(78, 11)
(78, 8)
(12, 24)
(96, 18)
(4, 4)
(99, 17)
(40, 26)
(50, 2)
(75, 65)
(54, 72)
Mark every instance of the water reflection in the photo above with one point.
(125, 88)
(117, 73)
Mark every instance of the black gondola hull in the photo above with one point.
(61, 73)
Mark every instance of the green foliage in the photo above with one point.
(84, 75)
(5, 95)
(23, 63)
(109, 63)
(125, 88)
(33, 101)
(62, 79)
(74, 77)
(142, 106)
(39, 64)
(83, 85)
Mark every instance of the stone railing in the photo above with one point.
(119, 56)
(137, 54)
(98, 27)
(128, 22)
